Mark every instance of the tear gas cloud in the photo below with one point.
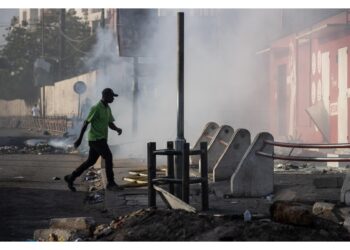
(222, 79)
(219, 80)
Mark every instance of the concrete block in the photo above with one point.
(220, 189)
(86, 224)
(208, 133)
(55, 234)
(347, 198)
(218, 145)
(254, 174)
(345, 190)
(325, 211)
(347, 224)
(232, 155)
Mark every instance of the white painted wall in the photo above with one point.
(14, 108)
(61, 100)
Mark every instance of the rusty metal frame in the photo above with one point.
(300, 145)
(304, 158)
(58, 124)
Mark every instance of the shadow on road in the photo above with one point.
(23, 210)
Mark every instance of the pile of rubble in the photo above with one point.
(96, 192)
(288, 222)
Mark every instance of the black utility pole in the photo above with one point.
(42, 54)
(103, 59)
(62, 28)
(181, 71)
(103, 22)
(180, 139)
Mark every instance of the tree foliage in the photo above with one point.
(25, 45)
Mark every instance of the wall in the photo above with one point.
(61, 100)
(14, 108)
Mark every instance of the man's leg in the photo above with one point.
(102, 148)
(91, 160)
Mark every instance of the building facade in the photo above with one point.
(307, 76)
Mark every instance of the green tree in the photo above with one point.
(24, 46)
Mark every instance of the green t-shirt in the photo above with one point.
(99, 117)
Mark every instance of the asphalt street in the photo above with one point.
(32, 191)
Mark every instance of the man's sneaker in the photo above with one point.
(68, 179)
(114, 187)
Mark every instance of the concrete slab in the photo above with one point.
(254, 174)
(174, 202)
(207, 135)
(232, 155)
(345, 190)
(218, 145)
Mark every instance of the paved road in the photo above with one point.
(29, 197)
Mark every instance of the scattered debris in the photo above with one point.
(292, 213)
(46, 132)
(36, 149)
(53, 234)
(96, 192)
(95, 197)
(347, 224)
(102, 231)
(41, 146)
(247, 216)
(56, 178)
(326, 211)
(179, 225)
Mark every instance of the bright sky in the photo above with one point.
(5, 20)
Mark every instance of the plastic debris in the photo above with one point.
(247, 215)
(269, 197)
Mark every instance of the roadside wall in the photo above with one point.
(61, 100)
(14, 108)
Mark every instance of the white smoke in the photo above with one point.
(220, 81)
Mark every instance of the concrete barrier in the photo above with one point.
(218, 145)
(232, 155)
(345, 190)
(254, 174)
(208, 133)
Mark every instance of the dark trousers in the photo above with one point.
(97, 148)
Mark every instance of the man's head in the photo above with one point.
(108, 95)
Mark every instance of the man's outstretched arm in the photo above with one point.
(83, 129)
(112, 126)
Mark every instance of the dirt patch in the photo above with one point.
(178, 225)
